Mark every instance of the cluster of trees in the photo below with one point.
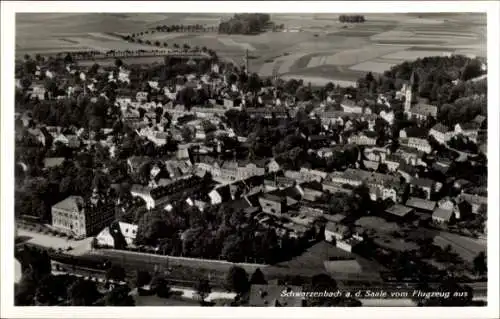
(463, 144)
(351, 18)
(39, 287)
(287, 140)
(219, 232)
(245, 23)
(442, 81)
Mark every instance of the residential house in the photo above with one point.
(39, 135)
(389, 186)
(326, 152)
(420, 144)
(309, 175)
(136, 162)
(70, 140)
(442, 215)
(272, 204)
(470, 130)
(72, 216)
(335, 187)
(421, 205)
(392, 162)
(364, 138)
(475, 201)
(267, 112)
(142, 96)
(311, 194)
(387, 116)
(233, 171)
(349, 106)
(441, 133)
(375, 154)
(220, 195)
(155, 197)
(273, 166)
(158, 138)
(427, 185)
(178, 168)
(50, 162)
(336, 231)
(422, 111)
(371, 165)
(442, 165)
(117, 232)
(398, 212)
(411, 156)
(479, 119)
(38, 91)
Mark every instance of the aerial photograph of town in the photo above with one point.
(251, 159)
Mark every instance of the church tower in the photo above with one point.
(246, 62)
(408, 92)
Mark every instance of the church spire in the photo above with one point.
(412, 78)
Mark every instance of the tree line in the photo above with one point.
(351, 18)
(245, 23)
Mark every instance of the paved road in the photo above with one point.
(78, 247)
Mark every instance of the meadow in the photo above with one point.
(316, 48)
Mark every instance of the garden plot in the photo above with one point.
(46, 43)
(413, 54)
(231, 42)
(161, 36)
(351, 57)
(288, 62)
(424, 21)
(394, 34)
(109, 45)
(450, 35)
(103, 36)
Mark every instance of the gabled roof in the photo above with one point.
(70, 203)
(442, 213)
(399, 210)
(224, 193)
(421, 203)
(273, 198)
(53, 161)
(415, 131)
(479, 119)
(422, 182)
(425, 109)
(336, 228)
(441, 128)
(474, 199)
(469, 126)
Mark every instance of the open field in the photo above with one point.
(466, 247)
(323, 50)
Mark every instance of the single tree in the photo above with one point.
(119, 296)
(480, 265)
(237, 280)
(142, 278)
(115, 273)
(159, 285)
(203, 289)
(83, 293)
(258, 278)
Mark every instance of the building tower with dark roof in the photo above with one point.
(247, 71)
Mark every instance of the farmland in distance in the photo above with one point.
(314, 47)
